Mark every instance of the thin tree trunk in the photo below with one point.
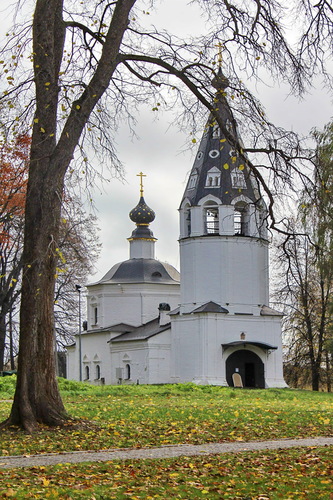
(328, 372)
(11, 341)
(2, 339)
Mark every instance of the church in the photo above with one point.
(209, 324)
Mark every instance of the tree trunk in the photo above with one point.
(2, 338)
(315, 376)
(328, 371)
(11, 341)
(37, 398)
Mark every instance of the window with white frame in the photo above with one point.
(241, 219)
(211, 219)
(238, 179)
(192, 181)
(213, 179)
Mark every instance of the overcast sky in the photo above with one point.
(159, 153)
(163, 154)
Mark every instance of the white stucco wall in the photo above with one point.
(149, 360)
(132, 303)
(231, 271)
(196, 346)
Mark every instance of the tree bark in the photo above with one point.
(37, 398)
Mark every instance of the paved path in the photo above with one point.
(163, 452)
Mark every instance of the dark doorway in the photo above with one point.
(250, 376)
(249, 366)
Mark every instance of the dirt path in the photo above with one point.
(156, 453)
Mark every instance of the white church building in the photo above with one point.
(148, 324)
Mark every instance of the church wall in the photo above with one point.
(186, 358)
(72, 363)
(232, 275)
(134, 304)
(95, 352)
(149, 360)
(159, 358)
(197, 353)
(135, 354)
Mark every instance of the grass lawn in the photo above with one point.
(141, 416)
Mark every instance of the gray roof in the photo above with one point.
(268, 311)
(210, 307)
(244, 343)
(118, 328)
(217, 152)
(141, 271)
(142, 332)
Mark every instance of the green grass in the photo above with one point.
(137, 416)
(143, 416)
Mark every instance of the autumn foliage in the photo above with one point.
(14, 157)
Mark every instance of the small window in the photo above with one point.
(127, 372)
(216, 132)
(87, 372)
(98, 372)
(213, 178)
(95, 315)
(214, 153)
(192, 181)
(156, 274)
(238, 179)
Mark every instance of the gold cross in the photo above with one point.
(141, 183)
(220, 58)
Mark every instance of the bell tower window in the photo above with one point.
(188, 222)
(211, 214)
(241, 223)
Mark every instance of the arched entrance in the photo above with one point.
(249, 366)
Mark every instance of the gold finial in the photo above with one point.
(141, 182)
(220, 50)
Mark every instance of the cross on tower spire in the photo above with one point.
(141, 175)
(220, 47)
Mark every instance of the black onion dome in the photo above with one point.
(142, 214)
(220, 82)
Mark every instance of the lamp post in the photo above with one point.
(78, 289)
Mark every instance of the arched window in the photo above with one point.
(127, 372)
(241, 223)
(87, 372)
(187, 220)
(192, 180)
(98, 372)
(211, 219)
(213, 178)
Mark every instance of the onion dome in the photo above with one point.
(220, 82)
(142, 215)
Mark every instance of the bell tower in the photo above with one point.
(223, 233)
(224, 265)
